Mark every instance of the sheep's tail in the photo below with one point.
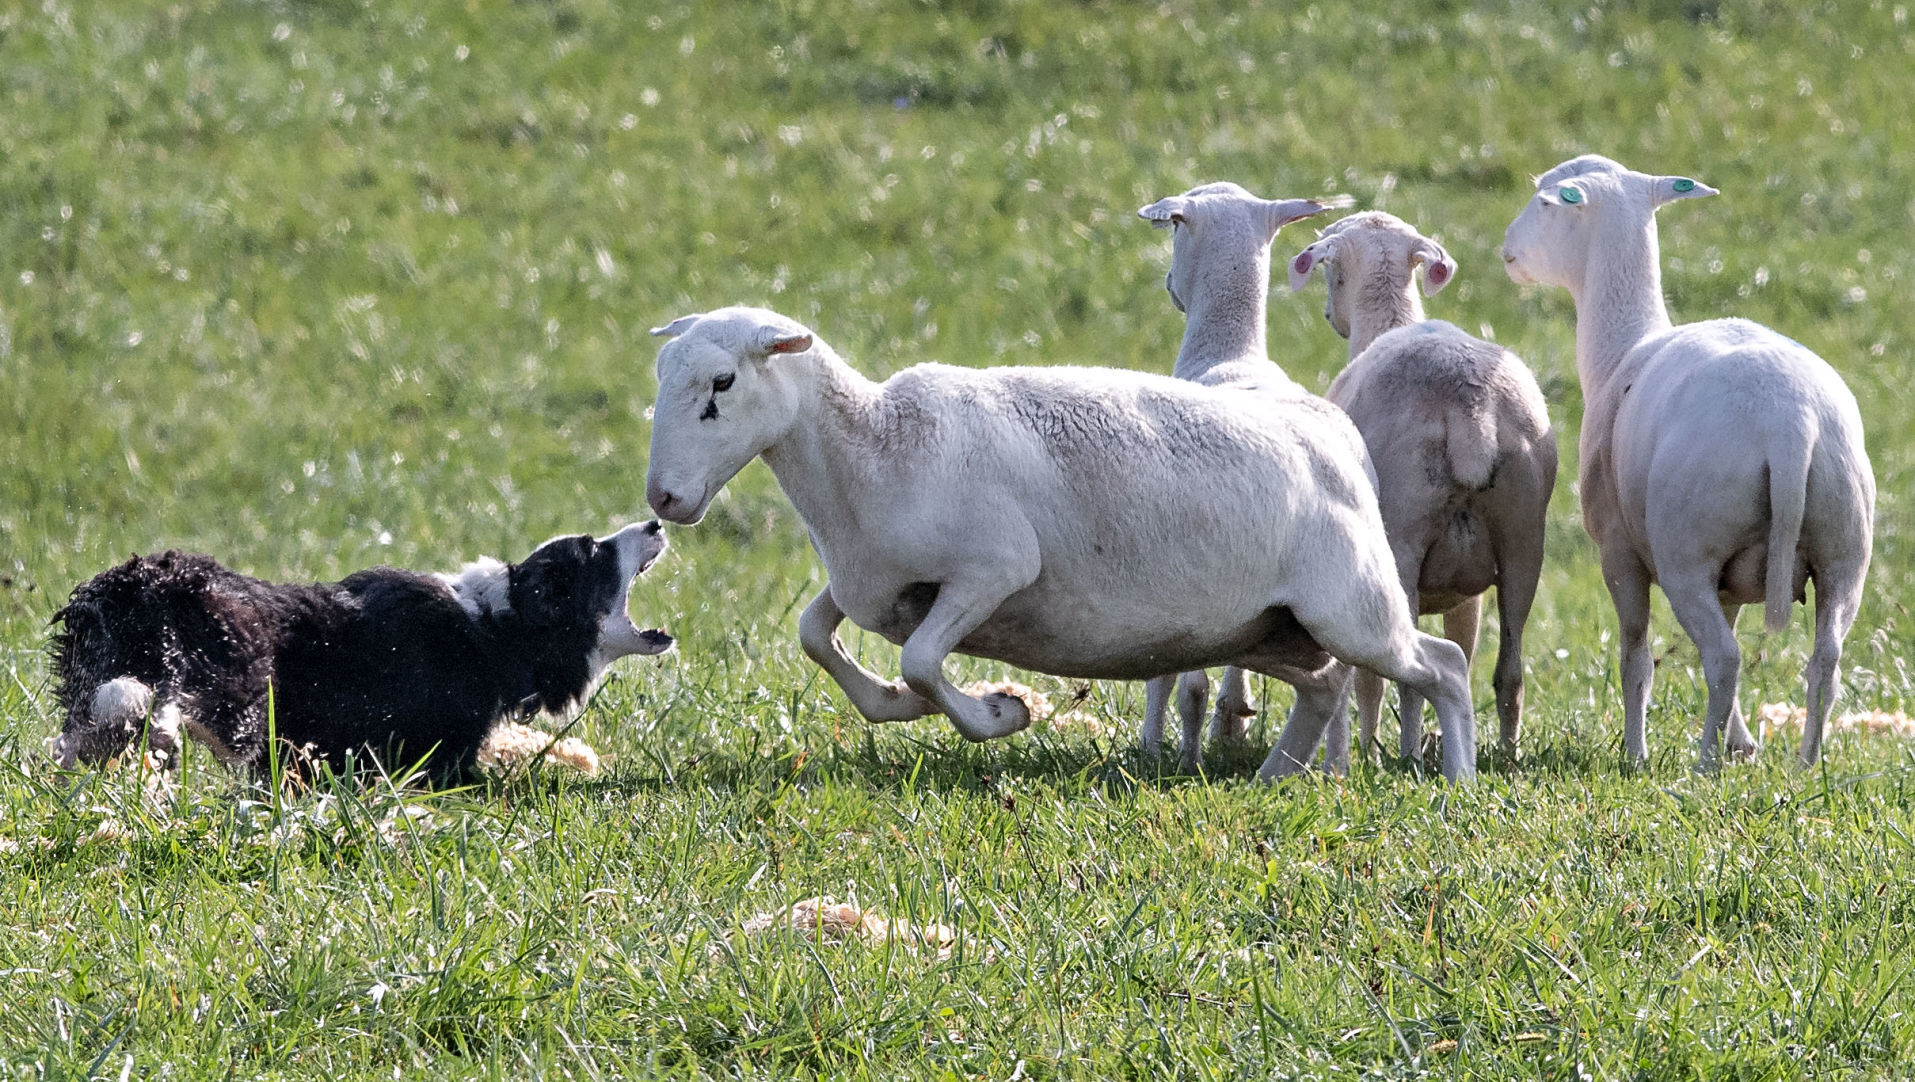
(1788, 494)
(1471, 445)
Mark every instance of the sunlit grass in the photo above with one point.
(313, 286)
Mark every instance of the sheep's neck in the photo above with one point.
(1618, 303)
(1383, 306)
(1224, 317)
(817, 460)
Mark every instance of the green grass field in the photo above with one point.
(317, 285)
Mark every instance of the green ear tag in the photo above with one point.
(1569, 195)
(1684, 184)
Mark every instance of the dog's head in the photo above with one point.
(564, 607)
(576, 581)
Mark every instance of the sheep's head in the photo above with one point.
(724, 396)
(1370, 258)
(1578, 201)
(1219, 222)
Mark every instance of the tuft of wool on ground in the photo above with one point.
(514, 745)
(825, 920)
(1041, 707)
(1775, 717)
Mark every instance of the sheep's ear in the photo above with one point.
(1164, 213)
(1308, 260)
(675, 328)
(1563, 195)
(1438, 267)
(775, 340)
(1670, 189)
(1282, 212)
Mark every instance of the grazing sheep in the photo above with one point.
(1081, 522)
(1219, 277)
(1719, 459)
(1459, 435)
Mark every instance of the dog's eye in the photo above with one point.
(723, 383)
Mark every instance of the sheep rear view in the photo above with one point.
(1461, 442)
(1079, 522)
(1720, 459)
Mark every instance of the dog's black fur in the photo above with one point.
(388, 663)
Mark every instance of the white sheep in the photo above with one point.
(1083, 522)
(1219, 278)
(1458, 432)
(1719, 459)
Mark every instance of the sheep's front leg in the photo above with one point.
(1234, 706)
(874, 697)
(1193, 690)
(960, 607)
(1157, 691)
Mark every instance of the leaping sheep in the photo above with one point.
(1082, 522)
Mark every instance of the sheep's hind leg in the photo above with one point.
(1320, 698)
(874, 697)
(1519, 567)
(1691, 591)
(1739, 744)
(960, 607)
(1628, 583)
(1838, 593)
(1396, 650)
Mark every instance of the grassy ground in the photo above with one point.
(318, 285)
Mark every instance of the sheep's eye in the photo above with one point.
(1569, 195)
(723, 383)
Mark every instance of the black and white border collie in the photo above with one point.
(394, 665)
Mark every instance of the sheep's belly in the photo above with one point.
(1064, 634)
(1060, 646)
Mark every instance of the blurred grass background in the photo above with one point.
(312, 286)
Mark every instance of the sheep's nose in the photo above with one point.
(662, 501)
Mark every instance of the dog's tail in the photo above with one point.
(115, 712)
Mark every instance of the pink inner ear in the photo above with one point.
(794, 344)
(1301, 264)
(1437, 273)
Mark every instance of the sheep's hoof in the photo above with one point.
(1743, 753)
(1003, 715)
(1008, 711)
